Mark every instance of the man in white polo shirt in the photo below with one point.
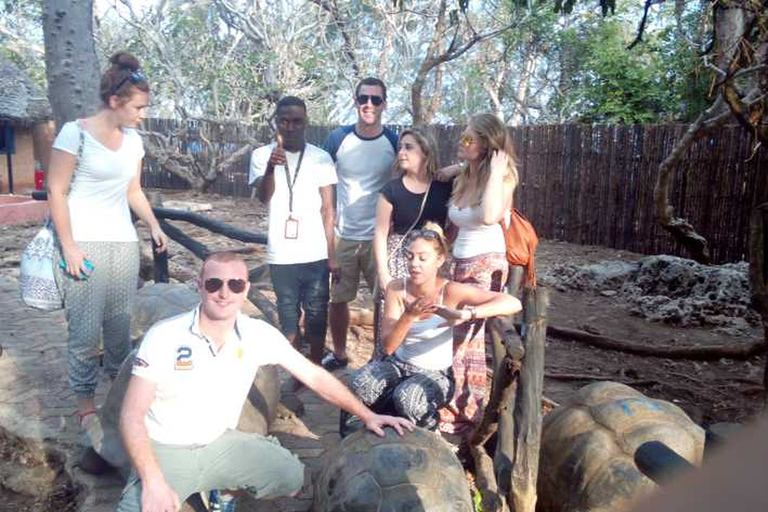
(190, 379)
(296, 180)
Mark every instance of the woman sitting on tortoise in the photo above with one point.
(415, 379)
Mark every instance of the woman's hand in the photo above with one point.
(418, 307)
(73, 257)
(499, 162)
(159, 238)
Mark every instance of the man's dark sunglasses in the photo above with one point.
(135, 77)
(362, 99)
(214, 284)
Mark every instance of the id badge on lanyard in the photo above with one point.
(291, 228)
(291, 223)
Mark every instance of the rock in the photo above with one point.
(588, 445)
(415, 472)
(668, 289)
(33, 476)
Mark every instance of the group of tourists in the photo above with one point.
(367, 203)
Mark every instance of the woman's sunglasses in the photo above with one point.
(214, 284)
(424, 233)
(466, 141)
(135, 78)
(362, 99)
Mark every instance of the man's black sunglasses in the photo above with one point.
(214, 284)
(362, 99)
(135, 77)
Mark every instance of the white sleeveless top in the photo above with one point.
(474, 236)
(428, 343)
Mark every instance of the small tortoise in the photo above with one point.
(417, 472)
(154, 303)
(588, 444)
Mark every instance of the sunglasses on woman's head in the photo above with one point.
(135, 77)
(214, 284)
(362, 99)
(424, 233)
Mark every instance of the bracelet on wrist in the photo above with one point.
(472, 313)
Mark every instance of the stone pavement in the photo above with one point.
(35, 401)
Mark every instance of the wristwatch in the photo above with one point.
(472, 313)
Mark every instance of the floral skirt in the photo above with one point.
(464, 412)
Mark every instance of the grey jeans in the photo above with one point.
(235, 460)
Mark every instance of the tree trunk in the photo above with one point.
(71, 65)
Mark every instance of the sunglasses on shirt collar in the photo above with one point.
(362, 99)
(134, 77)
(214, 284)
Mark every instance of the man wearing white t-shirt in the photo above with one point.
(296, 181)
(364, 153)
(191, 376)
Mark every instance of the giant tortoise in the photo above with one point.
(417, 472)
(588, 444)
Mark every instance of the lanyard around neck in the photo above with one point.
(288, 181)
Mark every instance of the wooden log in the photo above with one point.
(493, 501)
(741, 351)
(215, 226)
(266, 306)
(527, 411)
(177, 235)
(507, 356)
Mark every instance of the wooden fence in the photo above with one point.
(593, 184)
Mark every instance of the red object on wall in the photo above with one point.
(39, 176)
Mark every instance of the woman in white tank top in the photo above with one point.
(420, 312)
(481, 200)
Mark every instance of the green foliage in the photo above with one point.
(607, 83)
(21, 37)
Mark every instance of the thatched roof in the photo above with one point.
(21, 100)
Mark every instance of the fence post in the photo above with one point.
(527, 406)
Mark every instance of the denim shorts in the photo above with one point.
(302, 285)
